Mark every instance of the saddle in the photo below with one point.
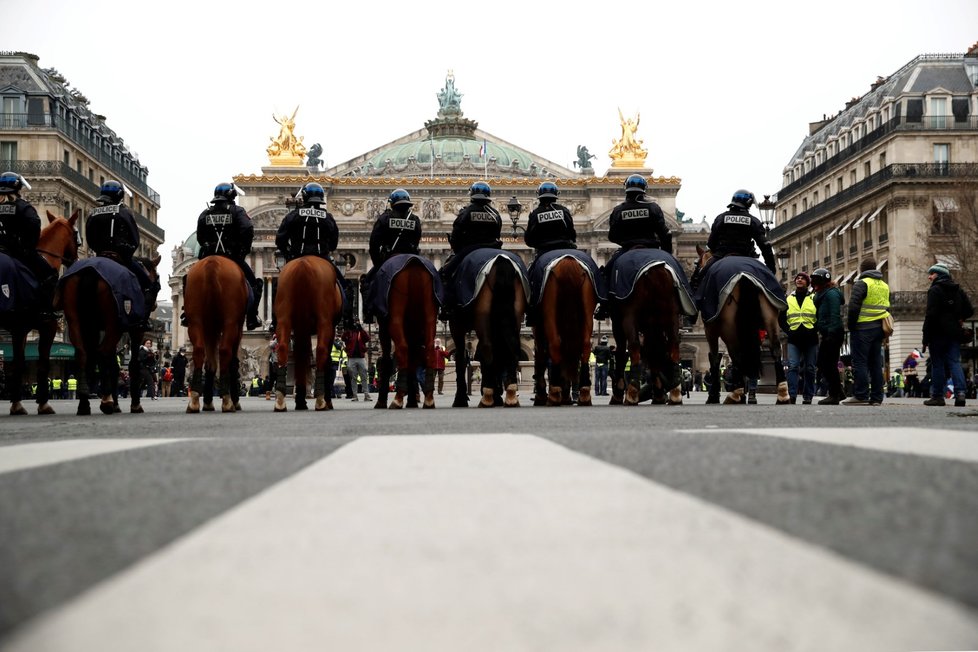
(540, 272)
(722, 277)
(632, 264)
(18, 287)
(130, 303)
(390, 269)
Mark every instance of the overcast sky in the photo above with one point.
(726, 90)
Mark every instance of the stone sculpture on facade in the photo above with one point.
(314, 153)
(583, 158)
(449, 99)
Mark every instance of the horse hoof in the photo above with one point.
(106, 408)
(713, 400)
(429, 404)
(208, 407)
(731, 401)
(512, 396)
(300, 407)
(461, 401)
(278, 408)
(787, 401)
(616, 399)
(135, 409)
(584, 398)
(380, 404)
(45, 409)
(237, 406)
(191, 410)
(228, 408)
(555, 397)
(16, 409)
(84, 411)
(395, 405)
(539, 400)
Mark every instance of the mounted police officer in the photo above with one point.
(20, 229)
(396, 231)
(636, 223)
(735, 231)
(550, 227)
(111, 231)
(310, 230)
(478, 226)
(224, 229)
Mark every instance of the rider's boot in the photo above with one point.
(45, 298)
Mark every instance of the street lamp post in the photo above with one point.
(783, 255)
(767, 209)
(515, 209)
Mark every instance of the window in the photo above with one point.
(8, 151)
(883, 160)
(942, 156)
(943, 223)
(804, 204)
(852, 177)
(67, 163)
(867, 170)
(884, 236)
(828, 190)
(794, 210)
(838, 184)
(814, 198)
(938, 112)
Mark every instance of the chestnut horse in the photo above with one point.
(215, 301)
(95, 328)
(745, 312)
(308, 302)
(562, 334)
(646, 327)
(58, 244)
(410, 327)
(496, 314)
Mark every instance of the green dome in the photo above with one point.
(452, 152)
(191, 245)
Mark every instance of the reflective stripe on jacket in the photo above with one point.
(877, 301)
(801, 316)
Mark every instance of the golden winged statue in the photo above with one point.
(627, 151)
(286, 148)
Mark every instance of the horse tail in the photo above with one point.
(501, 312)
(749, 322)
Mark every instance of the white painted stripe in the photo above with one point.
(931, 442)
(26, 456)
(491, 543)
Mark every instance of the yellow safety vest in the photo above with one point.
(803, 315)
(56, 383)
(254, 383)
(72, 384)
(877, 301)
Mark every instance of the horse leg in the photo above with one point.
(407, 382)
(324, 341)
(15, 375)
(210, 378)
(45, 338)
(193, 403)
(283, 332)
(621, 353)
(512, 338)
(458, 332)
(235, 370)
(770, 319)
(713, 396)
(303, 353)
(539, 362)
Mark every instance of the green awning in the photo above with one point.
(59, 351)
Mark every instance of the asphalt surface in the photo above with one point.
(912, 517)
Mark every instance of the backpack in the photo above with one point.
(965, 309)
(168, 374)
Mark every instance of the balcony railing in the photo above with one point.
(17, 121)
(902, 123)
(900, 171)
(37, 169)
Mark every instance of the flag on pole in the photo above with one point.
(483, 149)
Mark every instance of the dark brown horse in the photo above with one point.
(409, 327)
(646, 328)
(215, 300)
(495, 314)
(745, 312)
(308, 302)
(58, 244)
(95, 328)
(562, 334)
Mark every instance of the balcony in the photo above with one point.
(902, 123)
(895, 172)
(884, 237)
(23, 121)
(867, 244)
(58, 169)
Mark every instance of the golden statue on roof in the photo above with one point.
(286, 149)
(627, 152)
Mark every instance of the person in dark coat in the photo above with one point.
(947, 307)
(831, 329)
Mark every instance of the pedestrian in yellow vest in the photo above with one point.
(57, 385)
(802, 340)
(868, 305)
(72, 386)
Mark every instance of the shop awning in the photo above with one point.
(849, 277)
(879, 268)
(838, 279)
(848, 224)
(861, 219)
(831, 234)
(59, 351)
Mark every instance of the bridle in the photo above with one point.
(65, 260)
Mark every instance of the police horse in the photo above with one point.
(58, 245)
(738, 298)
(215, 302)
(492, 288)
(309, 302)
(407, 297)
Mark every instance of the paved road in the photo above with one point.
(692, 527)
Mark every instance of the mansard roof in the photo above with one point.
(923, 75)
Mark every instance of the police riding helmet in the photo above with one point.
(113, 191)
(742, 199)
(10, 182)
(636, 183)
(225, 192)
(547, 190)
(480, 190)
(313, 193)
(400, 197)
(821, 276)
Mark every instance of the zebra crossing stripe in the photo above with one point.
(26, 456)
(959, 445)
(504, 542)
